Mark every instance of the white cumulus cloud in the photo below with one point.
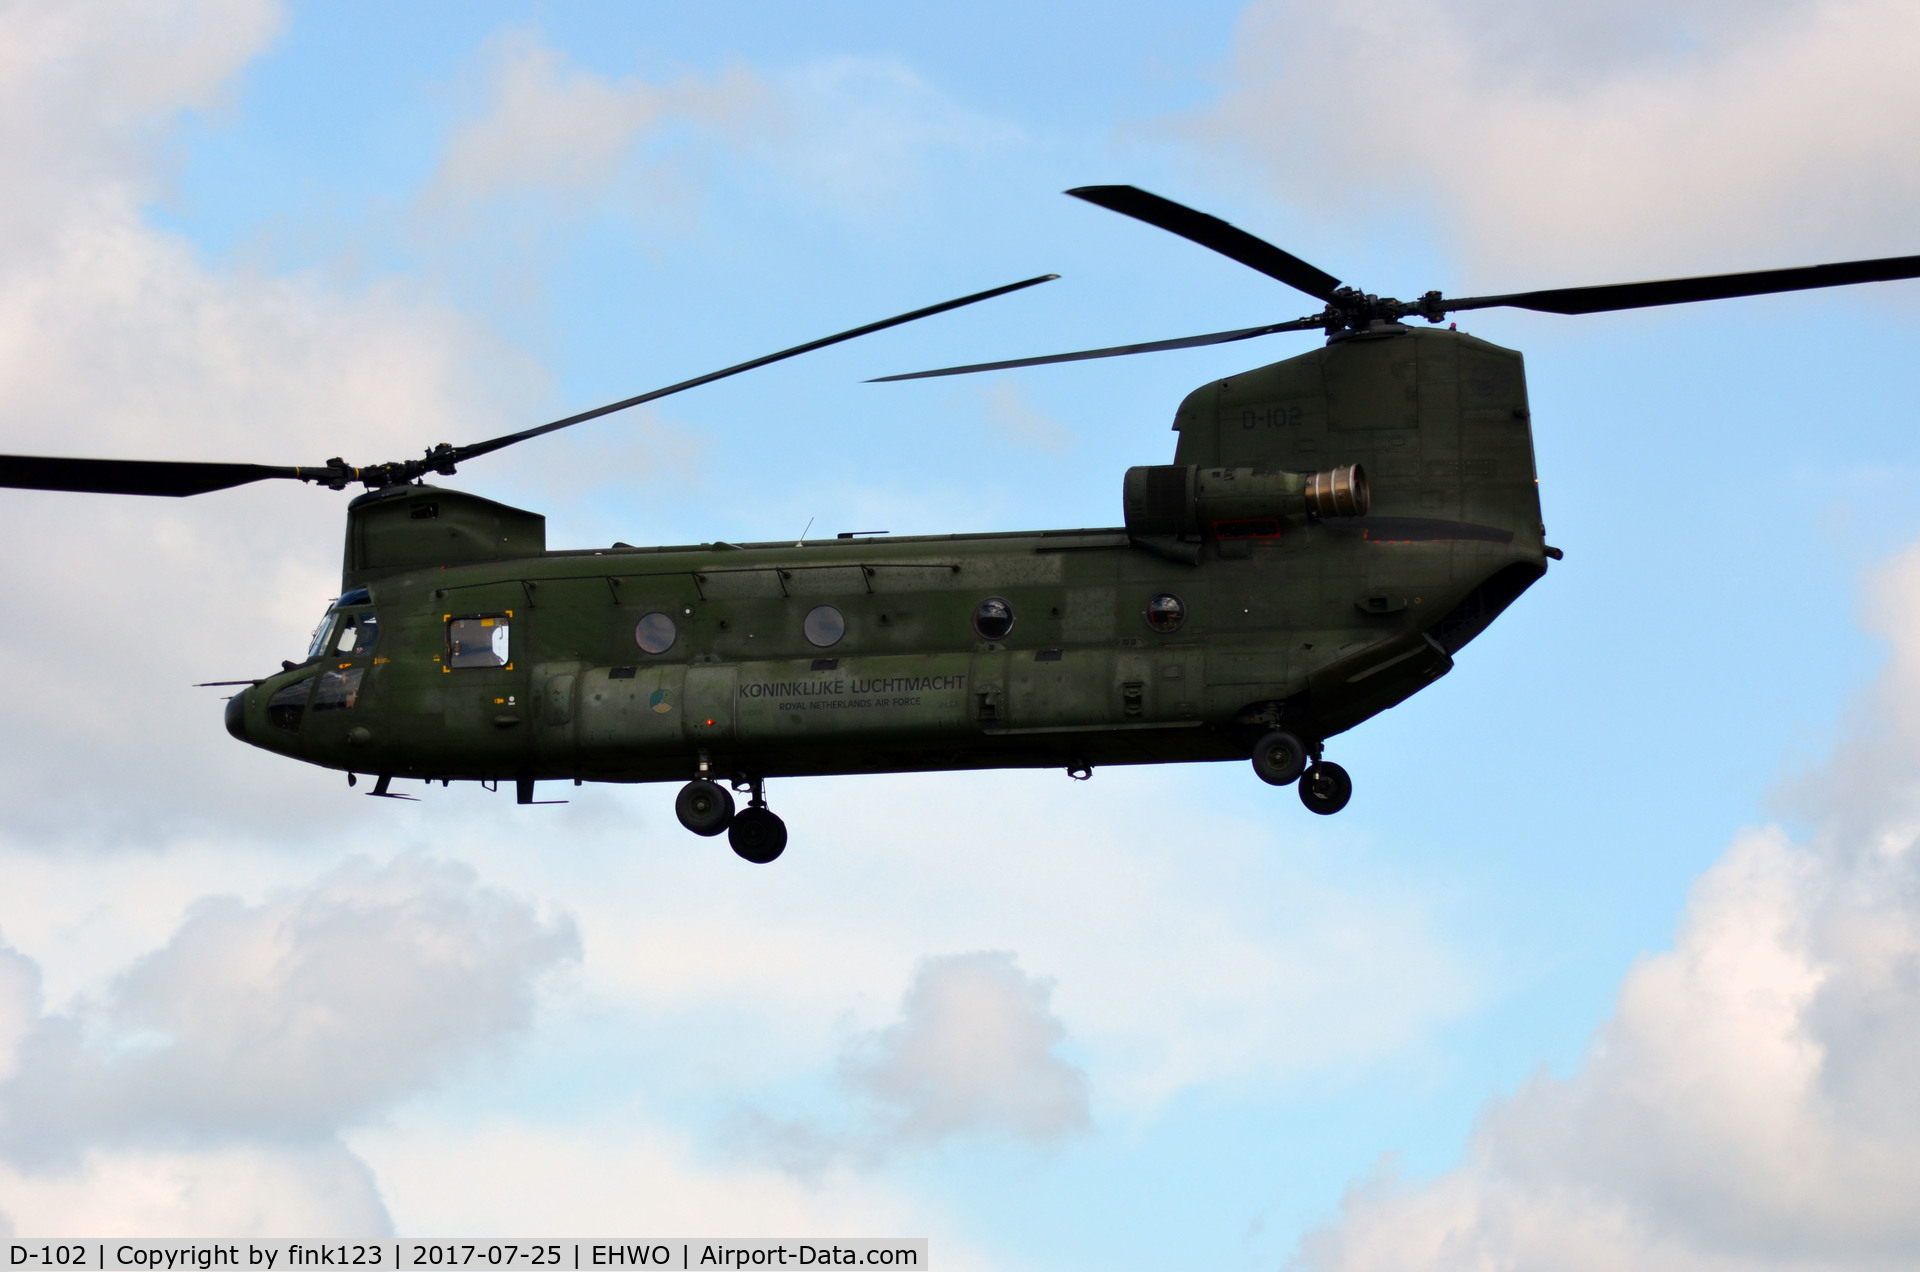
(975, 1050)
(206, 1087)
(1750, 1104)
(848, 132)
(974, 1054)
(118, 339)
(1568, 143)
(319, 1190)
(550, 125)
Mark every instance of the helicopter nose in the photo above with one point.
(237, 714)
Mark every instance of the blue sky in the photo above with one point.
(1253, 1037)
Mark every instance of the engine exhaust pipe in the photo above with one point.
(1339, 492)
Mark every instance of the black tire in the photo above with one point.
(1279, 758)
(758, 835)
(1325, 788)
(703, 807)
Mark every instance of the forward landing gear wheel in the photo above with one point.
(1325, 788)
(1279, 757)
(703, 807)
(758, 834)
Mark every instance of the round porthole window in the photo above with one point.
(1166, 612)
(824, 625)
(655, 633)
(993, 619)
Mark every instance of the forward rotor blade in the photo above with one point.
(1210, 231)
(134, 476)
(176, 479)
(1156, 346)
(483, 448)
(1679, 291)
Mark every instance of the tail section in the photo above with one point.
(1379, 603)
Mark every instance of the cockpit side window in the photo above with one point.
(353, 634)
(341, 633)
(483, 640)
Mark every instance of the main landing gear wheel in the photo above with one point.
(758, 834)
(1325, 788)
(1279, 758)
(703, 807)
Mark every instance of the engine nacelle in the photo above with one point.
(1185, 501)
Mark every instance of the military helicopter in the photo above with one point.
(1334, 528)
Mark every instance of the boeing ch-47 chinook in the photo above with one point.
(1333, 529)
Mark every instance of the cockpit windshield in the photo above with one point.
(318, 644)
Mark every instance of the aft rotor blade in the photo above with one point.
(1680, 291)
(487, 447)
(1210, 231)
(135, 476)
(1156, 346)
